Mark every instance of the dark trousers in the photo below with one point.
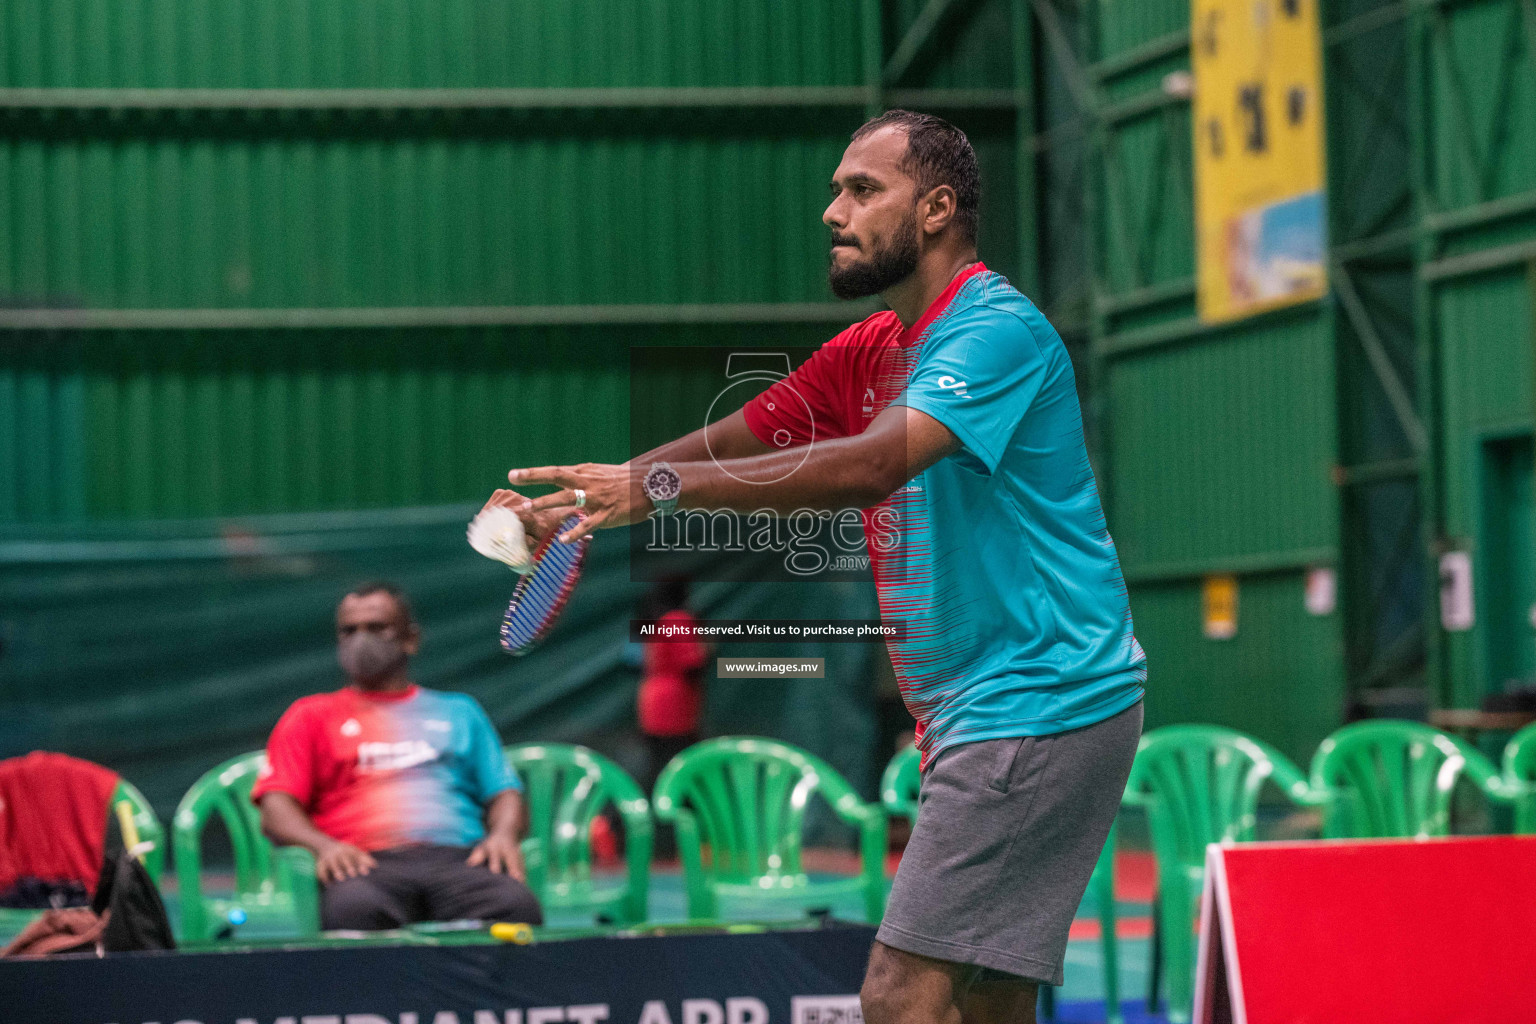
(425, 883)
(659, 751)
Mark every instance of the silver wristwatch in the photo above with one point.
(662, 485)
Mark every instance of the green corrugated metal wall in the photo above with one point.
(1477, 68)
(43, 438)
(316, 44)
(1222, 449)
(1381, 429)
(1278, 678)
(1347, 433)
(1482, 91)
(256, 301)
(1217, 443)
(199, 423)
(172, 422)
(1484, 326)
(514, 213)
(1357, 432)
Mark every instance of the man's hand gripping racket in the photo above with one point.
(549, 568)
(560, 525)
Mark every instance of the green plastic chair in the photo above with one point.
(140, 829)
(1387, 778)
(566, 788)
(1101, 884)
(1199, 784)
(1520, 778)
(139, 826)
(738, 804)
(900, 783)
(271, 883)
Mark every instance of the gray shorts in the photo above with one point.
(1007, 834)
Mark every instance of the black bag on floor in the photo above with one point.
(127, 897)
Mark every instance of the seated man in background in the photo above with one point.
(400, 792)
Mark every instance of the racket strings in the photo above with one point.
(540, 595)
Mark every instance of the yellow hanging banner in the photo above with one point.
(1258, 139)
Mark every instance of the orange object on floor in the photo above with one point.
(1085, 928)
(605, 845)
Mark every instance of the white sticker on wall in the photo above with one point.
(1456, 591)
(1322, 590)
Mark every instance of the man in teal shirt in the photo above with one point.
(952, 420)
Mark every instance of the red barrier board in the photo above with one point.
(1434, 931)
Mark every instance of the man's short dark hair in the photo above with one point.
(402, 603)
(938, 153)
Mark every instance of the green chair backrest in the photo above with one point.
(145, 823)
(1392, 778)
(1200, 784)
(745, 798)
(224, 791)
(1520, 778)
(566, 787)
(900, 784)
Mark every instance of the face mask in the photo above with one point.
(367, 657)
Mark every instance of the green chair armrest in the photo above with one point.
(296, 865)
(536, 863)
(1291, 780)
(702, 903)
(296, 874)
(128, 807)
(853, 811)
(872, 845)
(870, 820)
(639, 844)
(1523, 795)
(896, 779)
(1484, 774)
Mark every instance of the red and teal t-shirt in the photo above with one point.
(380, 770)
(996, 558)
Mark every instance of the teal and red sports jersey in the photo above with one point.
(997, 558)
(380, 770)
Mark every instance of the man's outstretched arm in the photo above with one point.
(729, 438)
(849, 472)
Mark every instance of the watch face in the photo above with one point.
(662, 483)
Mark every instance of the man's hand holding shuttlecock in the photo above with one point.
(607, 495)
(500, 533)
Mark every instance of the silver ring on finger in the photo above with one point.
(581, 498)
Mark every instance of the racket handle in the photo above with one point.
(518, 933)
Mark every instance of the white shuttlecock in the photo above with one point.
(498, 533)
